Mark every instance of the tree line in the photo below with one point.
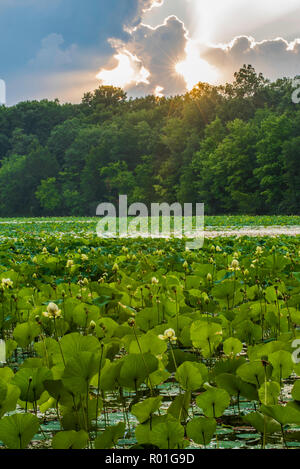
(235, 147)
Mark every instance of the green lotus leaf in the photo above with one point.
(10, 401)
(144, 431)
(110, 376)
(283, 414)
(80, 417)
(232, 346)
(25, 333)
(253, 372)
(158, 377)
(225, 290)
(189, 376)
(84, 313)
(235, 386)
(206, 336)
(168, 434)
(229, 365)
(257, 352)
(79, 371)
(148, 343)
(269, 393)
(6, 374)
(70, 440)
(179, 409)
(136, 368)
(110, 436)
(296, 391)
(3, 390)
(201, 430)
(282, 364)
(180, 357)
(32, 363)
(30, 381)
(213, 402)
(57, 390)
(147, 319)
(48, 349)
(16, 431)
(145, 409)
(261, 423)
(74, 343)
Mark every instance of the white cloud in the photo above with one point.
(274, 58)
(158, 50)
(53, 55)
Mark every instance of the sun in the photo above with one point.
(194, 69)
(128, 71)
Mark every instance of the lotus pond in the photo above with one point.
(142, 344)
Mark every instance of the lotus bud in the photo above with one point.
(131, 322)
(52, 308)
(235, 264)
(92, 325)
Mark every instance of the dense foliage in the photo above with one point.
(235, 148)
(136, 343)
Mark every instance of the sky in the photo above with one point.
(64, 48)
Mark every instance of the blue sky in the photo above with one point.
(56, 48)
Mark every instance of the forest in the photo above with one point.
(234, 147)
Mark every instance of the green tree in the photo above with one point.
(48, 195)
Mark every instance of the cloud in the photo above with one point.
(41, 37)
(124, 70)
(53, 54)
(48, 48)
(274, 58)
(158, 50)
